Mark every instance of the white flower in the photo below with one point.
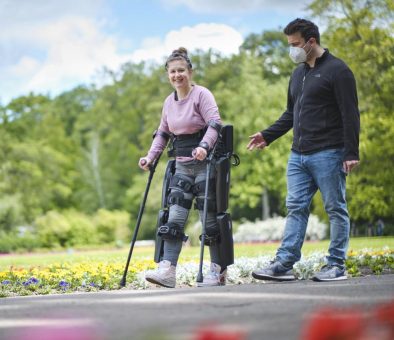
(272, 230)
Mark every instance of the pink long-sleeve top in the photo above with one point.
(187, 116)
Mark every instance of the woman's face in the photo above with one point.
(179, 74)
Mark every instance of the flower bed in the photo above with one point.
(90, 276)
(64, 278)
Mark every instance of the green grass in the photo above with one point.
(188, 253)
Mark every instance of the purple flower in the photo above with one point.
(30, 281)
(92, 284)
(64, 284)
(33, 280)
(6, 282)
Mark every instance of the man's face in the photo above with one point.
(296, 40)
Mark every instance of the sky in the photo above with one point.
(51, 46)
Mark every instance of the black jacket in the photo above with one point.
(322, 109)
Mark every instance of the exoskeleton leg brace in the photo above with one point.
(220, 234)
(177, 190)
(164, 211)
(217, 201)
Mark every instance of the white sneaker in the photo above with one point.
(214, 277)
(164, 275)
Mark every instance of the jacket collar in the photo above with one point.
(318, 60)
(322, 57)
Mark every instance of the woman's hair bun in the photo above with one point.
(180, 50)
(178, 54)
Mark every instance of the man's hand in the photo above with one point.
(349, 165)
(256, 141)
(144, 163)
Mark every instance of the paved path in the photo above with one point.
(266, 310)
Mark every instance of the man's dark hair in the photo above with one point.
(307, 29)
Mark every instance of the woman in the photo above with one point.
(190, 114)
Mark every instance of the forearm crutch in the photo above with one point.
(210, 158)
(152, 169)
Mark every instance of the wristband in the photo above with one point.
(204, 145)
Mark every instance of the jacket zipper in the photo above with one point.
(302, 105)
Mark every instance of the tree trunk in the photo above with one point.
(265, 205)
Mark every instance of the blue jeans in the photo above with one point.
(305, 175)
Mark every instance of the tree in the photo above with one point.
(250, 103)
(34, 167)
(271, 49)
(360, 32)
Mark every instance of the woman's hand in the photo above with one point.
(144, 163)
(199, 153)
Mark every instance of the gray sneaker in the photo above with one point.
(164, 275)
(330, 273)
(275, 271)
(214, 277)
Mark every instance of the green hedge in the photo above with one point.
(67, 229)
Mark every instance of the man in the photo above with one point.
(379, 227)
(322, 109)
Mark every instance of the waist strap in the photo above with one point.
(183, 145)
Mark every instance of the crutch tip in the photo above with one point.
(122, 283)
(200, 278)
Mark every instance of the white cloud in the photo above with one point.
(52, 46)
(217, 6)
(25, 66)
(219, 37)
(73, 49)
(76, 48)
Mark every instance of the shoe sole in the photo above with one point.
(160, 283)
(341, 278)
(273, 278)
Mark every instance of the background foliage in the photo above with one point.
(64, 161)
